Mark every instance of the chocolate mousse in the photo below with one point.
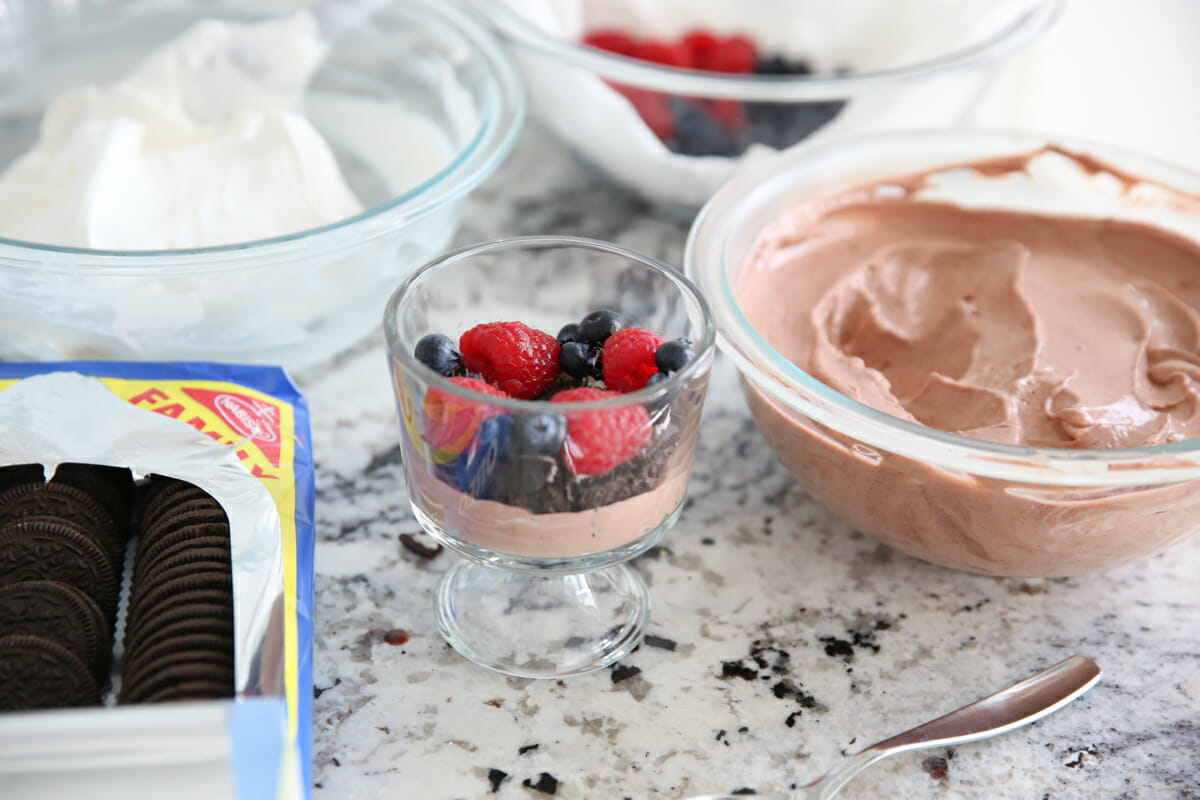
(1061, 328)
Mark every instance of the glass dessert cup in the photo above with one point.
(993, 508)
(544, 589)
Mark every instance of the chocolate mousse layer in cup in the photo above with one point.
(982, 349)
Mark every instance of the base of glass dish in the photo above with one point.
(542, 626)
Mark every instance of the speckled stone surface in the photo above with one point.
(781, 639)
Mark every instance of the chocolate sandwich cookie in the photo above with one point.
(154, 588)
(112, 487)
(91, 533)
(208, 647)
(37, 673)
(175, 543)
(67, 504)
(195, 607)
(157, 634)
(182, 604)
(220, 679)
(61, 613)
(190, 690)
(206, 588)
(18, 474)
(172, 668)
(168, 523)
(198, 558)
(202, 512)
(180, 504)
(43, 550)
(166, 492)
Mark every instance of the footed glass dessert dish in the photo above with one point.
(549, 391)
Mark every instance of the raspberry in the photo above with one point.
(521, 361)
(600, 439)
(735, 54)
(727, 112)
(671, 55)
(702, 45)
(613, 41)
(654, 108)
(629, 359)
(451, 421)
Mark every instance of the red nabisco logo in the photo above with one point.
(252, 418)
(248, 416)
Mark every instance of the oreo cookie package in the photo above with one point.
(156, 570)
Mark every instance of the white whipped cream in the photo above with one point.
(203, 144)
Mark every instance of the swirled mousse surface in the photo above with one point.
(1024, 328)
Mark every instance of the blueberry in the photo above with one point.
(597, 326)
(778, 65)
(569, 333)
(538, 434)
(674, 355)
(437, 352)
(656, 379)
(783, 124)
(478, 469)
(579, 360)
(699, 133)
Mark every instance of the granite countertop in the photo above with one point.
(781, 638)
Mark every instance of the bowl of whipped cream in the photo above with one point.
(233, 180)
(981, 348)
(688, 92)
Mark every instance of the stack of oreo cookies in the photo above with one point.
(62, 545)
(62, 558)
(179, 625)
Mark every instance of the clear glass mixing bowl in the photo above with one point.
(877, 65)
(290, 300)
(962, 502)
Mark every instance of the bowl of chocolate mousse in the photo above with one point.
(981, 348)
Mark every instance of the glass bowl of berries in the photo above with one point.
(685, 91)
(549, 391)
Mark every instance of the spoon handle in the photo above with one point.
(1019, 704)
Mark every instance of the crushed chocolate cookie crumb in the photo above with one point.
(835, 647)
(546, 783)
(661, 642)
(620, 672)
(412, 544)
(495, 778)
(736, 669)
(527, 748)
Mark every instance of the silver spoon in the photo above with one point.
(1019, 704)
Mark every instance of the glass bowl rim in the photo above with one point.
(501, 115)
(763, 88)
(705, 346)
(798, 392)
